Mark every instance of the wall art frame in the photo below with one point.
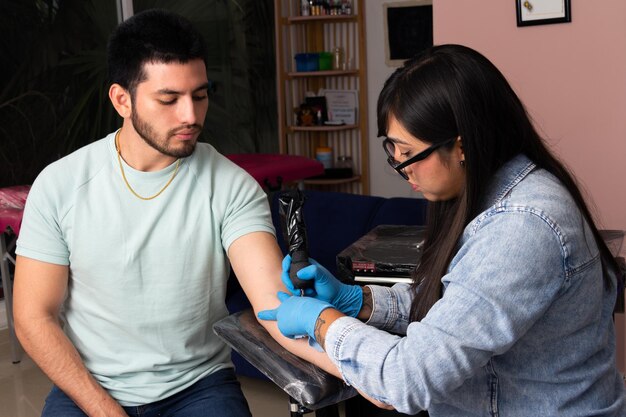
(542, 12)
(408, 29)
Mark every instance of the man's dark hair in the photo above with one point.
(154, 35)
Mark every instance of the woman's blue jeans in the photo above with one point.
(218, 394)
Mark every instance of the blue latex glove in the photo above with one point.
(295, 316)
(346, 298)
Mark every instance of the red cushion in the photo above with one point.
(268, 167)
(12, 201)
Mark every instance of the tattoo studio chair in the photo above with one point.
(333, 221)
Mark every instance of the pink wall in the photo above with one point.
(572, 78)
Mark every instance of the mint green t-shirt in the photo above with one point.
(147, 278)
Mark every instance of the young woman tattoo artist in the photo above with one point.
(510, 311)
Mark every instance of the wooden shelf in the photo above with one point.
(331, 181)
(329, 73)
(297, 34)
(327, 128)
(331, 18)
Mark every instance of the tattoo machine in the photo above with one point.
(294, 233)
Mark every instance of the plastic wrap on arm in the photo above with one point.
(309, 385)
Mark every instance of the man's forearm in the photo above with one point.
(301, 348)
(321, 326)
(49, 347)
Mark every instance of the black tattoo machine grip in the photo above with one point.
(294, 233)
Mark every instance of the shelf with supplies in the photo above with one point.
(327, 73)
(337, 18)
(318, 55)
(321, 128)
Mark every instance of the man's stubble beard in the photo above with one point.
(147, 133)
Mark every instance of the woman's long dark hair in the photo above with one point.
(450, 91)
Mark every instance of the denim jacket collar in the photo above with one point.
(507, 177)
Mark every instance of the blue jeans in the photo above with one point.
(218, 394)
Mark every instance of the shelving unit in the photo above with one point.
(299, 34)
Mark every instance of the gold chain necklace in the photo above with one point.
(119, 159)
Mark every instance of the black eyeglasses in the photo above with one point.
(390, 149)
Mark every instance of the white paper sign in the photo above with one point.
(341, 105)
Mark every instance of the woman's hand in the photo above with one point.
(296, 316)
(346, 298)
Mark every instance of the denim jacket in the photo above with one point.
(524, 326)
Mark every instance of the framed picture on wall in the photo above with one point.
(542, 12)
(408, 29)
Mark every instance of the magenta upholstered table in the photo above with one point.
(273, 170)
(12, 201)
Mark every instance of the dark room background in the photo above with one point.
(53, 90)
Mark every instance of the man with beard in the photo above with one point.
(124, 251)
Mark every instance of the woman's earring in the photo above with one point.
(462, 163)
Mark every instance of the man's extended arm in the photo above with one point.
(39, 292)
(256, 260)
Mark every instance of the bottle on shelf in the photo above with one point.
(342, 168)
(324, 154)
(316, 8)
(344, 161)
(338, 61)
(346, 7)
(305, 8)
(325, 7)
